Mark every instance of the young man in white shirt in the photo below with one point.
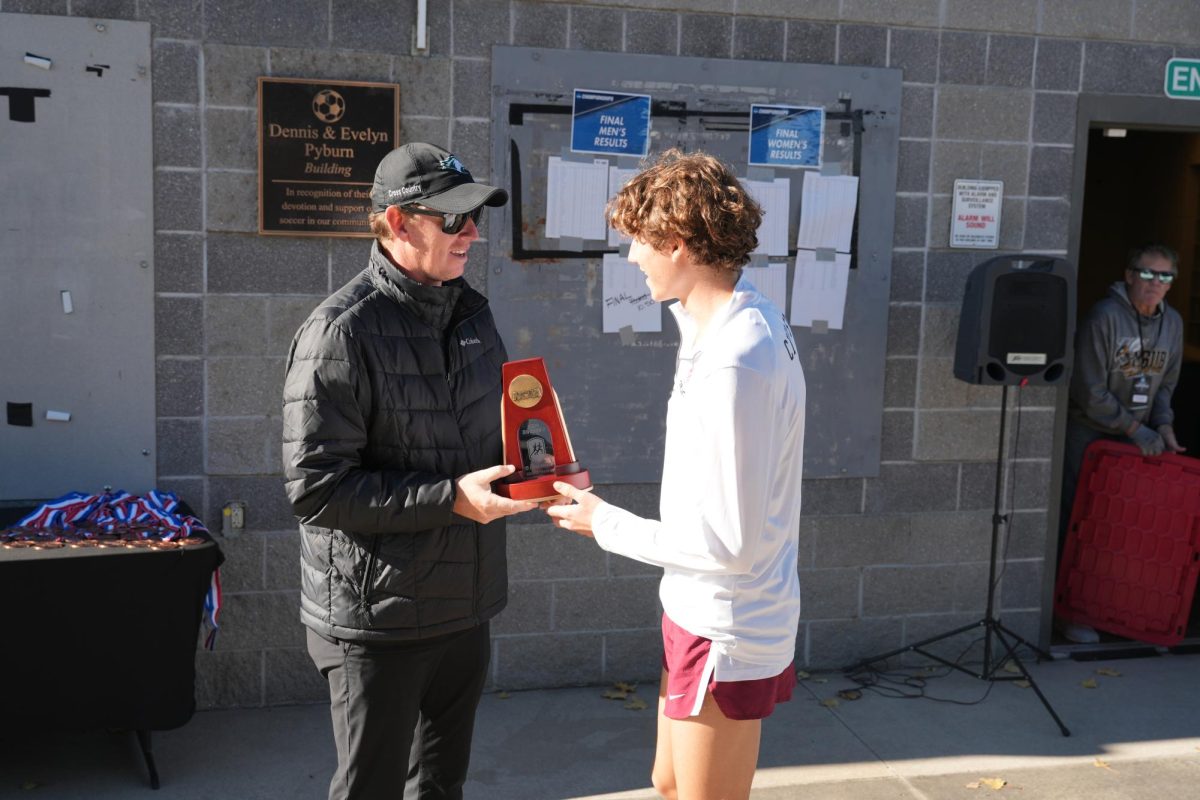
(730, 502)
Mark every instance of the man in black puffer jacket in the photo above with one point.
(391, 437)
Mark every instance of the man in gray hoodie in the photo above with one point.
(1127, 357)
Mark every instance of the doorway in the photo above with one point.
(1137, 172)
(1144, 186)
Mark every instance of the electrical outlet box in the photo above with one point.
(233, 518)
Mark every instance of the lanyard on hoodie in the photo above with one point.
(1145, 365)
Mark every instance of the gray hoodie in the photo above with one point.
(1114, 347)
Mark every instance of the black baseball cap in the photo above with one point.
(423, 173)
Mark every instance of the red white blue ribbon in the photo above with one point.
(116, 509)
(212, 610)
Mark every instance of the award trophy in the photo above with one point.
(535, 436)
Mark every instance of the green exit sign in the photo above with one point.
(1183, 79)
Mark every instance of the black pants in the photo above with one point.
(379, 693)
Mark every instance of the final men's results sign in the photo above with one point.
(319, 143)
(610, 123)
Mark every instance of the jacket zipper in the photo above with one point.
(475, 563)
(450, 392)
(368, 575)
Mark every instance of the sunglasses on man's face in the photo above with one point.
(1165, 278)
(451, 222)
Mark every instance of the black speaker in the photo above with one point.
(1018, 322)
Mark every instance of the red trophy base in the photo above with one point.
(535, 436)
(542, 487)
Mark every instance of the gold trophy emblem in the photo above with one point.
(525, 391)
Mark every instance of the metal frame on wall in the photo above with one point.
(547, 294)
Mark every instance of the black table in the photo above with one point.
(102, 638)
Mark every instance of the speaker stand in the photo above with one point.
(994, 658)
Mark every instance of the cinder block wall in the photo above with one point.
(990, 91)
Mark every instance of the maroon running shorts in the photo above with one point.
(684, 658)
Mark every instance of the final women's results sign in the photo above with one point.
(786, 136)
(319, 143)
(610, 123)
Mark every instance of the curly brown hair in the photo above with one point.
(693, 198)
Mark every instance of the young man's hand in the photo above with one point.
(576, 517)
(476, 500)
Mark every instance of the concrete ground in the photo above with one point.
(1134, 735)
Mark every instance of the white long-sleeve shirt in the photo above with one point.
(730, 501)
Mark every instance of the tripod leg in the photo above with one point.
(1041, 654)
(909, 648)
(1011, 651)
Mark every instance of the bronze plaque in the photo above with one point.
(318, 145)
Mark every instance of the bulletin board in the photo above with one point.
(76, 257)
(547, 292)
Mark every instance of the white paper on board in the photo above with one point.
(575, 196)
(819, 289)
(773, 196)
(771, 281)
(617, 178)
(827, 206)
(627, 298)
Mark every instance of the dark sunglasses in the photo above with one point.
(1165, 278)
(451, 222)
